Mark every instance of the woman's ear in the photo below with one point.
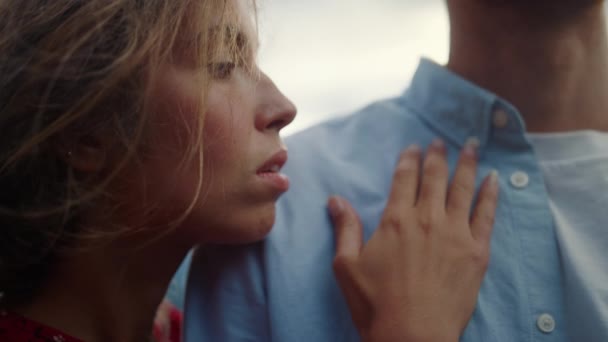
(84, 154)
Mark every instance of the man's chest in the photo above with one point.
(578, 195)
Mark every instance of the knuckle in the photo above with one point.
(463, 186)
(457, 208)
(392, 222)
(486, 217)
(428, 222)
(490, 197)
(480, 257)
(483, 259)
(458, 193)
(341, 264)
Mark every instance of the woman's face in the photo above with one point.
(243, 152)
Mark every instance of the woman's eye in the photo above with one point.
(222, 70)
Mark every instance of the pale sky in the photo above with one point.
(331, 57)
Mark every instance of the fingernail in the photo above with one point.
(471, 146)
(438, 144)
(493, 179)
(413, 149)
(335, 206)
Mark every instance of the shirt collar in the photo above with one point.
(457, 108)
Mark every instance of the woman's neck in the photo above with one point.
(107, 294)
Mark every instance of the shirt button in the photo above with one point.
(520, 179)
(501, 118)
(546, 323)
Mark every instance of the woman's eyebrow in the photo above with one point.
(233, 33)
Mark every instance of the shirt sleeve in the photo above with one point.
(226, 296)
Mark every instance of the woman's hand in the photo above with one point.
(418, 277)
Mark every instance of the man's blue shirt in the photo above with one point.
(284, 290)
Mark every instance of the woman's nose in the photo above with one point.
(275, 110)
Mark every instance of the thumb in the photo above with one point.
(347, 228)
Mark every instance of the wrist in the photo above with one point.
(393, 331)
(405, 337)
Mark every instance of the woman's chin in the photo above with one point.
(241, 229)
(244, 235)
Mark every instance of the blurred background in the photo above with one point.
(332, 57)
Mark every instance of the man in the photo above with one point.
(528, 80)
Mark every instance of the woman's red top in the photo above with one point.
(15, 328)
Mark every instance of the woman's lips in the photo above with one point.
(278, 181)
(270, 173)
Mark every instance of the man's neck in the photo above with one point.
(553, 68)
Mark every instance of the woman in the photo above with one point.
(132, 130)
